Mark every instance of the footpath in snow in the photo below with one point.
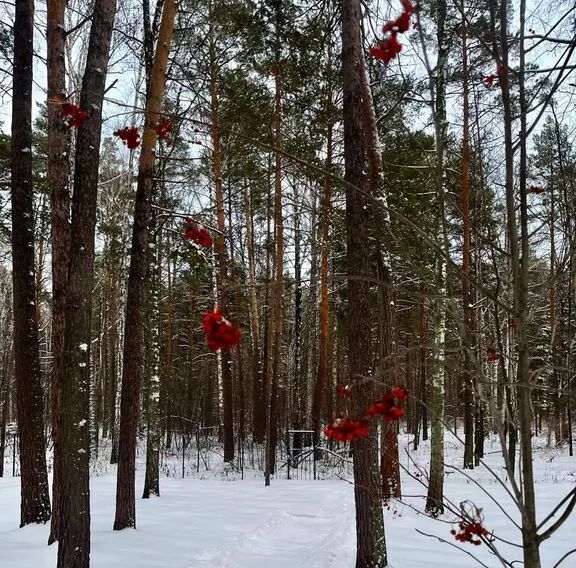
(213, 523)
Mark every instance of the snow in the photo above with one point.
(212, 519)
(83, 347)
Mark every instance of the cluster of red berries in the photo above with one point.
(345, 391)
(388, 405)
(130, 135)
(197, 233)
(492, 355)
(470, 532)
(220, 333)
(73, 115)
(163, 129)
(345, 429)
(499, 72)
(389, 47)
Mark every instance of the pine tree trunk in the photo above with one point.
(152, 398)
(278, 298)
(137, 285)
(422, 367)
(258, 387)
(435, 497)
(35, 501)
(322, 377)
(220, 242)
(370, 538)
(467, 338)
(74, 534)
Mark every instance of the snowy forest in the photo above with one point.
(287, 283)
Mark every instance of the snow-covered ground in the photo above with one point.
(233, 523)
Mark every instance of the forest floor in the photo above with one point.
(218, 521)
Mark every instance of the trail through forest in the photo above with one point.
(205, 521)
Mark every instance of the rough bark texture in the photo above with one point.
(58, 182)
(258, 387)
(136, 294)
(371, 544)
(322, 377)
(468, 310)
(152, 396)
(35, 502)
(220, 242)
(275, 321)
(74, 534)
(435, 497)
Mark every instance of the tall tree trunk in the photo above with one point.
(35, 501)
(370, 538)
(136, 294)
(520, 275)
(4, 405)
(435, 497)
(152, 402)
(422, 364)
(322, 377)
(467, 308)
(258, 387)
(220, 242)
(278, 290)
(113, 360)
(74, 534)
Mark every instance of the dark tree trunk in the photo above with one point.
(137, 284)
(258, 387)
(320, 394)
(371, 544)
(467, 339)
(152, 391)
(35, 502)
(58, 181)
(74, 533)
(220, 245)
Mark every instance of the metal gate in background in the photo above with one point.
(302, 454)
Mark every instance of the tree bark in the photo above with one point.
(435, 497)
(258, 386)
(220, 242)
(152, 398)
(35, 501)
(74, 533)
(466, 258)
(322, 377)
(136, 294)
(371, 543)
(58, 183)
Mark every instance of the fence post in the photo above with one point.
(288, 455)
(315, 442)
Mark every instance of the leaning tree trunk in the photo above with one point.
(136, 295)
(58, 182)
(74, 533)
(35, 501)
(371, 543)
